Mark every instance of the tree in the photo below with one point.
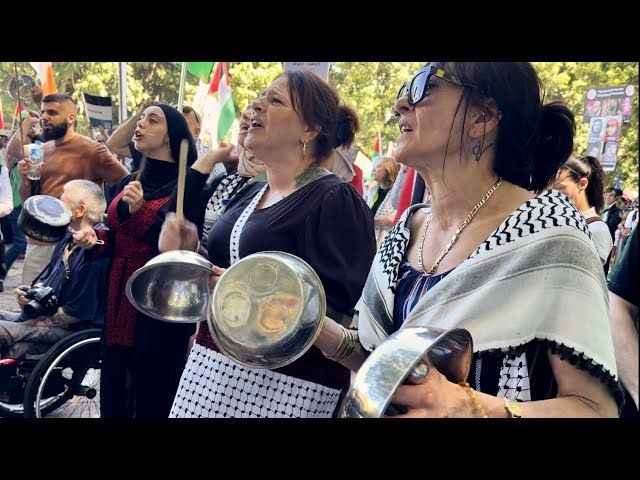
(370, 87)
(569, 81)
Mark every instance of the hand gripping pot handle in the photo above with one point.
(401, 359)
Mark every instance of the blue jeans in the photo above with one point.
(19, 244)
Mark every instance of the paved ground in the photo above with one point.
(8, 301)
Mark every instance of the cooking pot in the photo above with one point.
(172, 286)
(44, 218)
(401, 359)
(267, 310)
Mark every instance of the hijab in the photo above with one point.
(160, 178)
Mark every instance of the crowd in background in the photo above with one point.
(250, 197)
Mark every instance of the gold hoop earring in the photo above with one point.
(304, 149)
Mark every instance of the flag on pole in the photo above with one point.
(221, 90)
(202, 70)
(376, 151)
(375, 157)
(20, 113)
(618, 181)
(45, 74)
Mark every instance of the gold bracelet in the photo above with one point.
(474, 399)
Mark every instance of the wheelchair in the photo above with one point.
(64, 382)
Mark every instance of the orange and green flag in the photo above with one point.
(45, 74)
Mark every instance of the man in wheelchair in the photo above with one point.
(71, 293)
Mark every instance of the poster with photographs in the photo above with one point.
(596, 129)
(609, 102)
(610, 156)
(594, 149)
(602, 129)
(612, 128)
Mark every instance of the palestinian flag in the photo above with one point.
(375, 157)
(20, 113)
(221, 90)
(202, 70)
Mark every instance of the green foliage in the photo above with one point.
(569, 81)
(248, 79)
(370, 87)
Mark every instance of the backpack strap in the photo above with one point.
(594, 219)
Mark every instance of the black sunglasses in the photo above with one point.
(419, 85)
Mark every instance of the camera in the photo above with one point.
(42, 301)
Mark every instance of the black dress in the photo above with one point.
(327, 224)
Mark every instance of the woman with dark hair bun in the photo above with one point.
(301, 209)
(498, 254)
(582, 180)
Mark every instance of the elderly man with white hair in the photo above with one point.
(71, 292)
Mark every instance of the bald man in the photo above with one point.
(67, 156)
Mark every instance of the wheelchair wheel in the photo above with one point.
(14, 380)
(66, 381)
(8, 410)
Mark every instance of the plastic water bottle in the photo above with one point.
(37, 154)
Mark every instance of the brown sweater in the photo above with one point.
(78, 158)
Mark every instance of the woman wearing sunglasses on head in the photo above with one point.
(516, 269)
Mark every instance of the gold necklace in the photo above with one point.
(466, 222)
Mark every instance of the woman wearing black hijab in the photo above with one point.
(143, 358)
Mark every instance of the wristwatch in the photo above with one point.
(512, 408)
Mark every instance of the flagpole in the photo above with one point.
(122, 91)
(183, 77)
(15, 66)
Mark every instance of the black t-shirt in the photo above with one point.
(624, 281)
(327, 224)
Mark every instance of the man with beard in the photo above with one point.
(67, 156)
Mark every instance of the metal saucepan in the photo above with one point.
(20, 87)
(267, 310)
(44, 218)
(400, 359)
(173, 286)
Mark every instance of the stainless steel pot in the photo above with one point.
(44, 218)
(173, 286)
(400, 359)
(267, 310)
